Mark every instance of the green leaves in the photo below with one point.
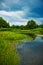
(3, 23)
(31, 24)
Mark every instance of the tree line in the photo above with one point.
(31, 24)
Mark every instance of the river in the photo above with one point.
(31, 53)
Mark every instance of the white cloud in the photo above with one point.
(39, 20)
(17, 14)
(14, 17)
(17, 17)
(18, 23)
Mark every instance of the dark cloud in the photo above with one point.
(1, 0)
(35, 6)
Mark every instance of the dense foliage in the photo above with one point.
(30, 25)
(3, 23)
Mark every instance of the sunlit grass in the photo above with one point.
(11, 35)
(8, 51)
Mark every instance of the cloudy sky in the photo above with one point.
(18, 12)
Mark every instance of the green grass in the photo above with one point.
(8, 51)
(34, 31)
(13, 36)
(8, 54)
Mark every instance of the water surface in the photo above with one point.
(31, 53)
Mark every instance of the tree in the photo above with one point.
(41, 25)
(3, 23)
(13, 26)
(22, 27)
(31, 24)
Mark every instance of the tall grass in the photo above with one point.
(11, 35)
(8, 54)
(8, 51)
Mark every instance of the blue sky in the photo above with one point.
(18, 12)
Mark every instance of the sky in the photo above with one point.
(18, 12)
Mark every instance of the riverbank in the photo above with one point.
(8, 35)
(11, 34)
(40, 35)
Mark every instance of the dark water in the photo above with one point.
(31, 53)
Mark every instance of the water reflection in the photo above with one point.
(31, 52)
(38, 38)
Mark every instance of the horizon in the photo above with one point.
(20, 11)
(22, 24)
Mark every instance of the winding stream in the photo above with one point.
(31, 53)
